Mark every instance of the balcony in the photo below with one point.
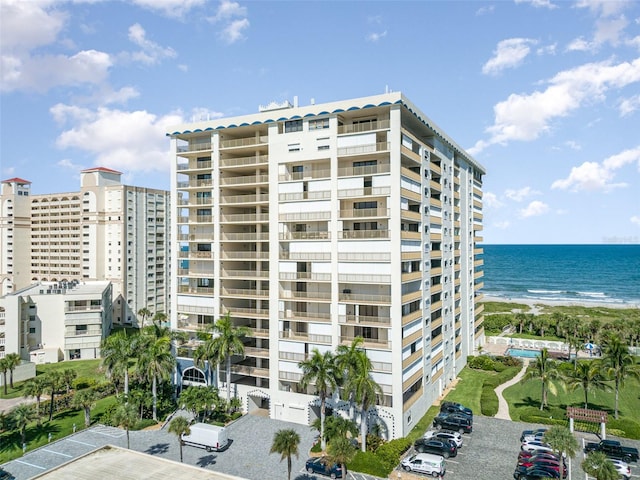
(194, 165)
(249, 370)
(364, 149)
(256, 352)
(305, 336)
(363, 298)
(305, 316)
(368, 342)
(364, 320)
(258, 332)
(362, 234)
(247, 312)
(363, 127)
(365, 213)
(305, 236)
(244, 161)
(244, 180)
(311, 276)
(244, 142)
(305, 256)
(364, 256)
(364, 170)
(364, 192)
(365, 278)
(244, 292)
(193, 147)
(195, 290)
(245, 237)
(243, 255)
(244, 218)
(314, 296)
(244, 199)
(245, 273)
(304, 216)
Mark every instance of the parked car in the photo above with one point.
(455, 422)
(534, 473)
(453, 407)
(613, 449)
(528, 435)
(455, 437)
(544, 463)
(444, 448)
(622, 468)
(534, 446)
(425, 463)
(323, 466)
(525, 455)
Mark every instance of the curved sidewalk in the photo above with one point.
(503, 406)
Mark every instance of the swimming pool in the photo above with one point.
(522, 353)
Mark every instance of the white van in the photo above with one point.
(425, 463)
(209, 437)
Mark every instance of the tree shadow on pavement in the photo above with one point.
(157, 449)
(205, 461)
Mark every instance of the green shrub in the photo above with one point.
(389, 453)
(144, 423)
(374, 442)
(81, 383)
(369, 462)
(489, 403)
(317, 448)
(630, 428)
(107, 416)
(481, 362)
(509, 361)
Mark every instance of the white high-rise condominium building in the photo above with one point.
(315, 225)
(106, 231)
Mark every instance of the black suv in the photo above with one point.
(453, 407)
(439, 447)
(456, 422)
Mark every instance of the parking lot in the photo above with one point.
(491, 452)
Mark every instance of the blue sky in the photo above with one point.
(545, 94)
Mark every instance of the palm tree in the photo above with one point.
(21, 416)
(337, 426)
(144, 313)
(341, 451)
(320, 369)
(226, 341)
(85, 399)
(53, 383)
(562, 441)
(599, 466)
(587, 375)
(347, 363)
(117, 351)
(285, 442)
(618, 364)
(180, 426)
(199, 400)
(126, 416)
(159, 318)
(545, 369)
(156, 362)
(68, 375)
(13, 361)
(4, 368)
(34, 387)
(365, 391)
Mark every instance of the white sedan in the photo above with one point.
(535, 446)
(454, 437)
(622, 468)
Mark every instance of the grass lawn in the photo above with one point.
(60, 426)
(525, 397)
(469, 388)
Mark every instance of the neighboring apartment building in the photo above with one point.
(315, 225)
(106, 231)
(52, 321)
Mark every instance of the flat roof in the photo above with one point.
(92, 287)
(115, 462)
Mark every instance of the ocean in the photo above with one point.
(566, 273)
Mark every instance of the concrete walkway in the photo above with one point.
(503, 407)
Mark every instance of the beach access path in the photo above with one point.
(503, 406)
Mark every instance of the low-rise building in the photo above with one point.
(54, 321)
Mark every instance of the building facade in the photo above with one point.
(315, 225)
(53, 321)
(106, 231)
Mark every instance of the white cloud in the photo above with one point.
(228, 10)
(170, 8)
(635, 219)
(547, 49)
(604, 8)
(534, 209)
(234, 18)
(233, 32)
(508, 54)
(526, 117)
(374, 37)
(610, 30)
(66, 163)
(594, 176)
(25, 25)
(539, 3)
(521, 194)
(502, 225)
(124, 140)
(41, 73)
(629, 105)
(150, 53)
(491, 200)
(485, 10)
(573, 145)
(579, 45)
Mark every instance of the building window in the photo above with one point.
(32, 330)
(294, 147)
(293, 126)
(319, 124)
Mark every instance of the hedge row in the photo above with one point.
(488, 399)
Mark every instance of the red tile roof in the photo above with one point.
(16, 180)
(100, 169)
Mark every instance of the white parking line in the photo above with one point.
(30, 464)
(81, 443)
(452, 461)
(57, 453)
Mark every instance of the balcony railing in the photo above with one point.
(245, 273)
(302, 216)
(364, 319)
(244, 180)
(311, 316)
(364, 149)
(364, 127)
(305, 236)
(193, 147)
(310, 295)
(244, 199)
(245, 218)
(306, 256)
(364, 170)
(364, 192)
(364, 298)
(365, 212)
(244, 142)
(293, 196)
(244, 292)
(249, 236)
(360, 234)
(243, 161)
(317, 277)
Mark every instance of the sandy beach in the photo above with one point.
(537, 305)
